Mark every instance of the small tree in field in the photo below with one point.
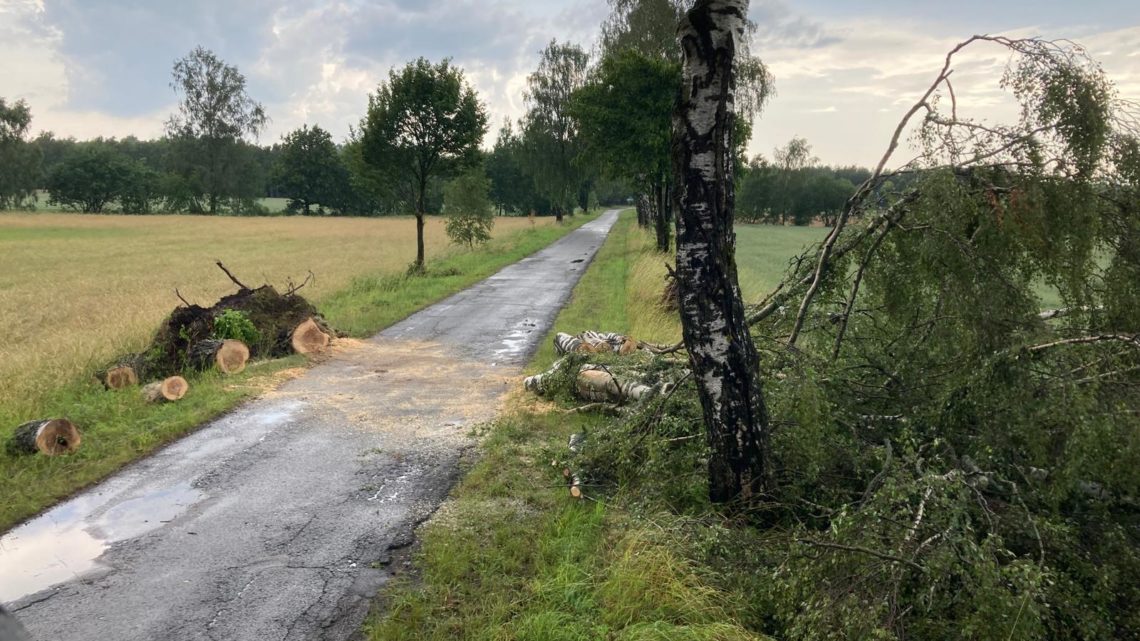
(467, 203)
(424, 122)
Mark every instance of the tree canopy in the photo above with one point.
(468, 208)
(19, 160)
(310, 171)
(550, 133)
(425, 122)
(214, 115)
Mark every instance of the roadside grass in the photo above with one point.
(118, 427)
(511, 556)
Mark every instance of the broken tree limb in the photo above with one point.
(540, 382)
(227, 356)
(168, 389)
(1084, 340)
(50, 437)
(308, 338)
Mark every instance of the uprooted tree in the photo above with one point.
(258, 322)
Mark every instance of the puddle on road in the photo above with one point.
(516, 341)
(64, 542)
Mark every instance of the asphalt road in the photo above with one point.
(279, 520)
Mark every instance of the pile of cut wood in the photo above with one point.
(187, 342)
(620, 380)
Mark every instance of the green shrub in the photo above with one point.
(236, 325)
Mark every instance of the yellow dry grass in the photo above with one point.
(77, 290)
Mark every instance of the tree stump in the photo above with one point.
(309, 338)
(50, 437)
(169, 389)
(228, 356)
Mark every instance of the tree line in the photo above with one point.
(209, 160)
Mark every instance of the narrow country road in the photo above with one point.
(276, 522)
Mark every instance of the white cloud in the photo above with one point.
(872, 70)
(101, 67)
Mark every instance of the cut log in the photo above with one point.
(121, 373)
(50, 437)
(169, 389)
(598, 385)
(228, 356)
(309, 338)
(577, 441)
(120, 376)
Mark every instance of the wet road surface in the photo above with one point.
(278, 520)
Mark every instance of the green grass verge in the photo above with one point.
(512, 556)
(118, 427)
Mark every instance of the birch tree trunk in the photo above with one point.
(723, 356)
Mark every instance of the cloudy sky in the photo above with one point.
(845, 71)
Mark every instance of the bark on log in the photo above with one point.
(723, 357)
(577, 441)
(50, 437)
(168, 389)
(309, 338)
(228, 356)
(598, 385)
(591, 342)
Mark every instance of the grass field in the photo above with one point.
(77, 290)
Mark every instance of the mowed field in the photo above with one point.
(77, 290)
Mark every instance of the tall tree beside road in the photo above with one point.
(723, 357)
(624, 118)
(550, 134)
(425, 122)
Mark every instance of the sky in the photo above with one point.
(845, 71)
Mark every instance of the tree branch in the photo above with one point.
(863, 550)
(232, 277)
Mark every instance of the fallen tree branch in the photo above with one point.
(863, 550)
(1134, 339)
(1050, 314)
(179, 295)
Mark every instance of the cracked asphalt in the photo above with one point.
(279, 520)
